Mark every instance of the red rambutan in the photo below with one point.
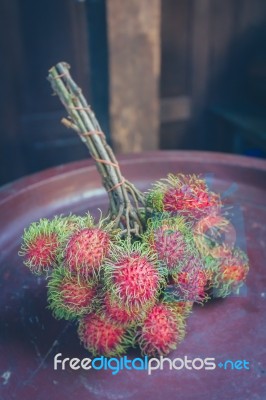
(235, 273)
(184, 194)
(42, 250)
(70, 296)
(212, 234)
(161, 331)
(170, 238)
(230, 272)
(86, 249)
(102, 337)
(191, 283)
(41, 244)
(169, 246)
(120, 315)
(180, 307)
(132, 276)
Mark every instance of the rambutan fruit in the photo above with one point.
(161, 331)
(212, 262)
(192, 281)
(169, 246)
(42, 241)
(230, 272)
(118, 314)
(133, 276)
(102, 337)
(40, 245)
(85, 249)
(212, 234)
(181, 307)
(184, 194)
(173, 299)
(70, 296)
(170, 238)
(73, 222)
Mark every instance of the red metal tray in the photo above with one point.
(233, 328)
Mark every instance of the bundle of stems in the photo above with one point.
(126, 202)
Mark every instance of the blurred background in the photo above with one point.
(160, 74)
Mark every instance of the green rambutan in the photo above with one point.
(102, 337)
(187, 195)
(161, 331)
(70, 296)
(133, 276)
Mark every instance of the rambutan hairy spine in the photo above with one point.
(118, 314)
(70, 296)
(171, 239)
(133, 275)
(187, 195)
(40, 245)
(229, 272)
(161, 331)
(102, 337)
(87, 246)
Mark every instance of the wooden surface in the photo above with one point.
(33, 37)
(206, 46)
(203, 47)
(134, 70)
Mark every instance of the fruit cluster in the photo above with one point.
(138, 290)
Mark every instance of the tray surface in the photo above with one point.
(233, 328)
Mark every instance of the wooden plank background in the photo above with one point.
(169, 60)
(134, 73)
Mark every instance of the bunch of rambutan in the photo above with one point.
(138, 290)
(132, 277)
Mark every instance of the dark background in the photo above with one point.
(212, 87)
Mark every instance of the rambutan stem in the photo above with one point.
(125, 201)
